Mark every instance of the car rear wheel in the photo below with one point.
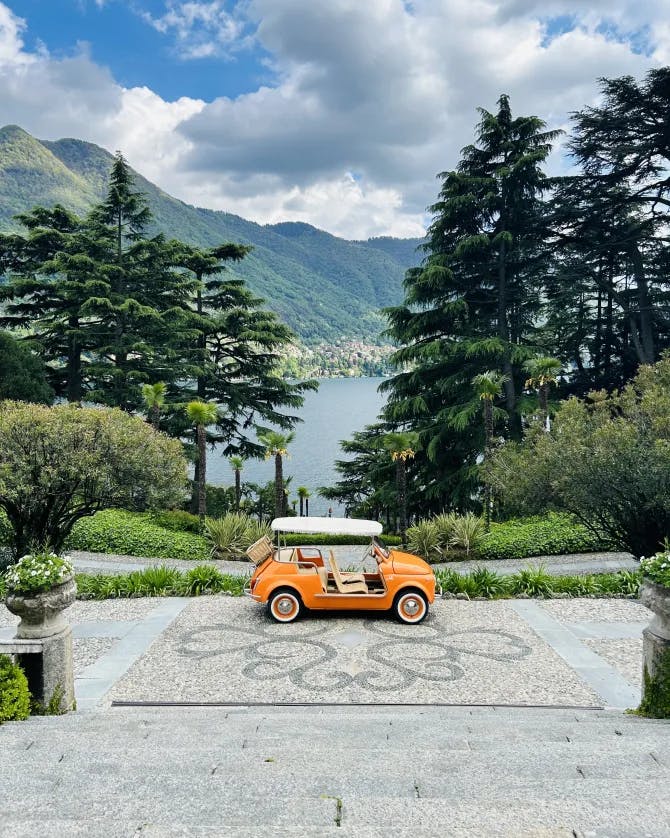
(410, 607)
(285, 606)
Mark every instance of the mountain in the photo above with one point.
(323, 286)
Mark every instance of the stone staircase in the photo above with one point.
(336, 771)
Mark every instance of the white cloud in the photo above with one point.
(201, 29)
(370, 100)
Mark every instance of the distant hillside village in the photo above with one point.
(345, 358)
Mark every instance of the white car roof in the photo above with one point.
(329, 526)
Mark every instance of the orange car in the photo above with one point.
(290, 579)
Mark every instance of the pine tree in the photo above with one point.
(473, 303)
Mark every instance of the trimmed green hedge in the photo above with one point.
(135, 534)
(549, 535)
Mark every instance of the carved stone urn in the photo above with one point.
(656, 644)
(42, 613)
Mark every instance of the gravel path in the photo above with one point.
(578, 563)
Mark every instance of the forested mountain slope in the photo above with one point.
(324, 287)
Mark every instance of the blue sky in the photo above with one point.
(334, 112)
(119, 36)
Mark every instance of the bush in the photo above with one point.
(14, 693)
(232, 534)
(135, 534)
(536, 582)
(424, 540)
(467, 533)
(296, 539)
(550, 535)
(657, 568)
(160, 581)
(61, 464)
(177, 520)
(606, 460)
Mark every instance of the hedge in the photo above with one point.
(550, 535)
(135, 534)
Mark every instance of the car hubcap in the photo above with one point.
(285, 606)
(411, 607)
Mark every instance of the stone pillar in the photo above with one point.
(656, 646)
(50, 673)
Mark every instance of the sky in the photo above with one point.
(339, 113)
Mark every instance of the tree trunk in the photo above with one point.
(402, 496)
(503, 334)
(238, 489)
(646, 313)
(73, 362)
(279, 486)
(302, 505)
(202, 472)
(307, 507)
(202, 346)
(488, 445)
(543, 394)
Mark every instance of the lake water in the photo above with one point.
(338, 408)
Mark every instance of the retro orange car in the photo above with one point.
(291, 579)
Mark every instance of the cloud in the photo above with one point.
(201, 29)
(368, 100)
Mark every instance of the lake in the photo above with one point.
(338, 408)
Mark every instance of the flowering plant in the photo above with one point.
(657, 568)
(38, 572)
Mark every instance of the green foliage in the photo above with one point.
(22, 373)
(297, 539)
(85, 458)
(177, 520)
(533, 582)
(38, 572)
(424, 539)
(657, 567)
(549, 535)
(135, 534)
(231, 535)
(536, 582)
(14, 693)
(160, 581)
(606, 461)
(467, 533)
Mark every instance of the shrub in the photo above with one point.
(160, 581)
(423, 539)
(14, 693)
(444, 525)
(232, 534)
(467, 532)
(550, 535)
(177, 520)
(135, 534)
(38, 572)
(295, 539)
(87, 459)
(532, 581)
(606, 460)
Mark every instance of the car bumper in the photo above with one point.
(247, 592)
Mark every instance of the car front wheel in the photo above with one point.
(410, 607)
(285, 606)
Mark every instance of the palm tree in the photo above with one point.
(276, 445)
(303, 494)
(201, 415)
(542, 373)
(402, 446)
(237, 464)
(154, 401)
(488, 386)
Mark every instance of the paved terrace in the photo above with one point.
(344, 725)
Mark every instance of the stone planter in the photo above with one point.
(656, 671)
(42, 614)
